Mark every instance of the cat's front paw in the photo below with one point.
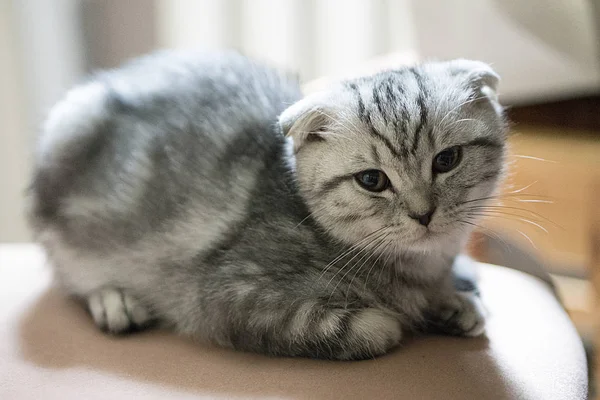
(370, 332)
(343, 334)
(116, 311)
(461, 314)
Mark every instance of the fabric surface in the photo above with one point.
(50, 349)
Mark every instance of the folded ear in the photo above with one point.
(479, 76)
(306, 120)
(478, 73)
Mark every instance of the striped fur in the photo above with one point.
(166, 192)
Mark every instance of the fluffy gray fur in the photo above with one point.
(166, 191)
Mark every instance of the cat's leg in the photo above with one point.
(116, 311)
(457, 306)
(347, 334)
(461, 314)
(312, 328)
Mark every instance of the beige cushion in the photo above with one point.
(50, 349)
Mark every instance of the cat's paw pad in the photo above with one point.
(462, 314)
(115, 311)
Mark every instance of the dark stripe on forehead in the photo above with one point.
(375, 155)
(365, 116)
(379, 102)
(422, 111)
(375, 134)
(361, 105)
(485, 142)
(422, 119)
(394, 99)
(430, 137)
(389, 89)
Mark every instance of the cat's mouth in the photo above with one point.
(427, 235)
(419, 236)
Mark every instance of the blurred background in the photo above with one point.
(547, 52)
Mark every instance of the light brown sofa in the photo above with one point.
(50, 349)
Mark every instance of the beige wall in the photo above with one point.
(14, 139)
(541, 48)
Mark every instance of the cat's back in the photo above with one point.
(169, 96)
(167, 140)
(221, 90)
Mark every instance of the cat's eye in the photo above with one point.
(447, 159)
(373, 180)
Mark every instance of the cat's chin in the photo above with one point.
(431, 240)
(426, 242)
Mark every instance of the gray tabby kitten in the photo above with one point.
(202, 192)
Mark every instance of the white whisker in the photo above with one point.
(534, 201)
(382, 244)
(351, 249)
(462, 120)
(458, 106)
(528, 239)
(524, 188)
(535, 158)
(368, 251)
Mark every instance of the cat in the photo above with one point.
(201, 192)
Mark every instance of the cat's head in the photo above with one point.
(404, 154)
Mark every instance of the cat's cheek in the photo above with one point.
(354, 232)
